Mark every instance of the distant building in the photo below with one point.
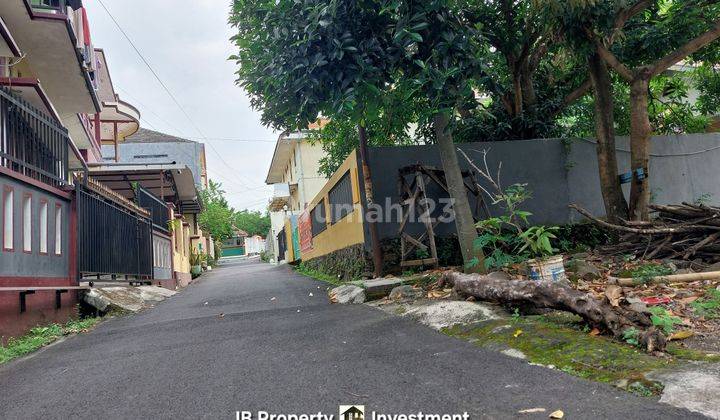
(152, 147)
(295, 175)
(254, 245)
(235, 245)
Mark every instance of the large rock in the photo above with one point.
(347, 294)
(407, 292)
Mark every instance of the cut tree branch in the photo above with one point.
(687, 49)
(651, 231)
(620, 320)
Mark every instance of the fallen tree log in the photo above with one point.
(671, 278)
(622, 322)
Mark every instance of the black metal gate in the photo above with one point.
(112, 240)
(159, 212)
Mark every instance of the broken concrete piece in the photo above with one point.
(125, 298)
(440, 314)
(406, 293)
(347, 294)
(694, 388)
(381, 287)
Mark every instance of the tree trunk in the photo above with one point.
(640, 132)
(528, 89)
(370, 200)
(464, 223)
(619, 320)
(615, 205)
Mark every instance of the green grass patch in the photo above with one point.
(709, 305)
(42, 336)
(560, 341)
(675, 349)
(645, 272)
(318, 275)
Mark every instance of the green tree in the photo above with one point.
(298, 60)
(252, 222)
(641, 40)
(217, 216)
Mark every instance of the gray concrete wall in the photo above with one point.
(183, 153)
(559, 173)
(17, 263)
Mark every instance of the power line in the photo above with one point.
(165, 87)
(235, 139)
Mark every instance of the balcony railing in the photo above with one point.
(31, 142)
(50, 6)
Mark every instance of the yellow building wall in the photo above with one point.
(346, 231)
(181, 257)
(290, 250)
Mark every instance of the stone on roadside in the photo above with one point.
(380, 287)
(637, 305)
(405, 293)
(347, 294)
(714, 267)
(582, 269)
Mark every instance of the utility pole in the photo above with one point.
(369, 200)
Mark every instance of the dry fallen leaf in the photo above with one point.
(614, 293)
(681, 335)
(532, 410)
(595, 332)
(688, 300)
(517, 333)
(557, 414)
(437, 294)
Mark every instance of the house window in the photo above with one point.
(43, 227)
(27, 223)
(341, 199)
(8, 232)
(58, 229)
(317, 219)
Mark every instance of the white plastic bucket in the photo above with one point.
(547, 269)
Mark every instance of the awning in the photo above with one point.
(171, 182)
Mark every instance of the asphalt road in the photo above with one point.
(295, 354)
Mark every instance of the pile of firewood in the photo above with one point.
(685, 231)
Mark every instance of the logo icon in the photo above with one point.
(352, 412)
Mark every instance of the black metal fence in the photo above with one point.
(31, 142)
(159, 212)
(111, 239)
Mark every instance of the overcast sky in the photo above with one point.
(187, 43)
